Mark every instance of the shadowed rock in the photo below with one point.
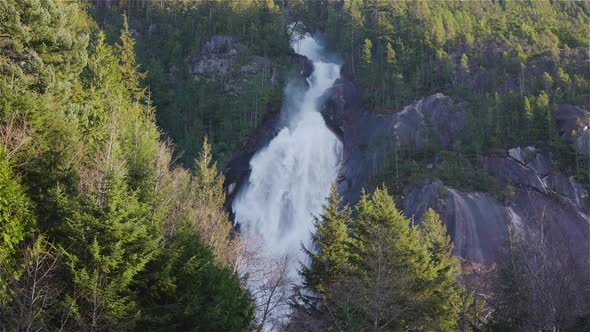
(368, 137)
(572, 123)
(514, 173)
(544, 200)
(476, 222)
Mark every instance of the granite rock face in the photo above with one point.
(544, 199)
(217, 57)
(368, 137)
(477, 222)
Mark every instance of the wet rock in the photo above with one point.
(340, 99)
(514, 173)
(305, 66)
(476, 222)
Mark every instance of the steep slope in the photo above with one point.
(535, 191)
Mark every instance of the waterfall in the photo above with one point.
(291, 177)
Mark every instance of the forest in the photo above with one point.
(115, 135)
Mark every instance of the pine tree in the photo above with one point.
(398, 277)
(208, 179)
(367, 52)
(528, 112)
(388, 264)
(390, 55)
(129, 68)
(328, 262)
(208, 201)
(445, 293)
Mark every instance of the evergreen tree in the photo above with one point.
(129, 68)
(395, 274)
(445, 290)
(16, 222)
(367, 52)
(390, 56)
(528, 112)
(329, 260)
(208, 203)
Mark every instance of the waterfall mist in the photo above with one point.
(291, 177)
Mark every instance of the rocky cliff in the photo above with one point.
(540, 195)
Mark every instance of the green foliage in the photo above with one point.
(171, 36)
(91, 237)
(394, 276)
(129, 69)
(328, 262)
(16, 222)
(439, 244)
(186, 290)
(367, 52)
(531, 37)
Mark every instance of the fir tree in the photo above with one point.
(327, 263)
(445, 291)
(129, 68)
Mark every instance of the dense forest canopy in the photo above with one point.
(113, 133)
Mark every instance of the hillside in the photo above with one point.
(274, 165)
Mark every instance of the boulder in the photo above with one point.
(434, 117)
(211, 66)
(572, 123)
(219, 44)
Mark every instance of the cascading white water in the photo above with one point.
(291, 177)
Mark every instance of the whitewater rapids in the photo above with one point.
(291, 177)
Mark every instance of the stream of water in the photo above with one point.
(291, 177)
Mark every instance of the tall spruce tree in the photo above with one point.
(328, 260)
(397, 274)
(445, 291)
(129, 68)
